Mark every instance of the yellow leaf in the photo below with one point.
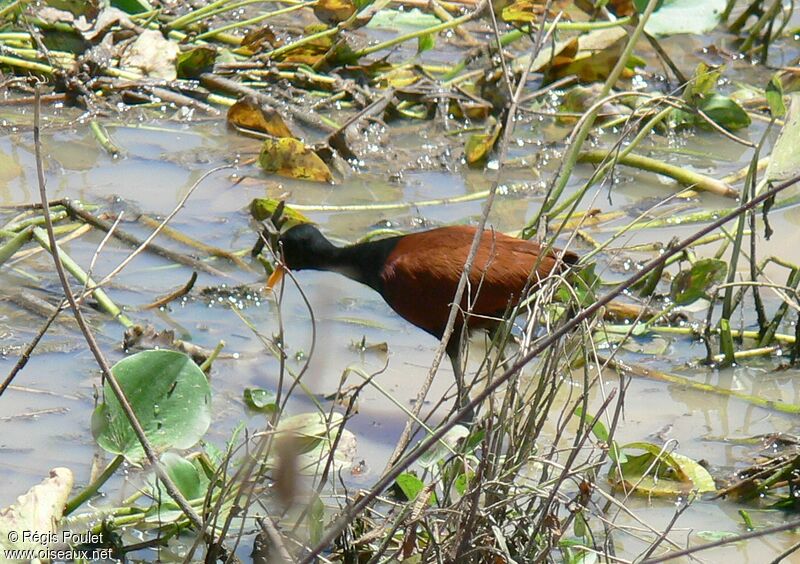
(247, 113)
(479, 145)
(291, 158)
(333, 12)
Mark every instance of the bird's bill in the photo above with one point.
(276, 276)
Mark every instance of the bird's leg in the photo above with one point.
(454, 352)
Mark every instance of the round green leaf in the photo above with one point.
(260, 400)
(170, 396)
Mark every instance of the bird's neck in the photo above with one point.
(362, 262)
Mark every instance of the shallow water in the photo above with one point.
(46, 415)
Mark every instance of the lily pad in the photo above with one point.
(312, 438)
(685, 16)
(39, 510)
(293, 159)
(170, 396)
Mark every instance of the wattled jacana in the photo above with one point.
(417, 274)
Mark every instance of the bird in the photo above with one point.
(417, 274)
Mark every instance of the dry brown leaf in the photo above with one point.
(247, 113)
(152, 55)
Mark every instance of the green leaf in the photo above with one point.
(692, 284)
(684, 16)
(189, 479)
(195, 61)
(583, 284)
(262, 208)
(409, 485)
(726, 112)
(260, 400)
(316, 514)
(774, 95)
(425, 43)
(168, 393)
(132, 6)
(656, 473)
(784, 162)
(398, 21)
(439, 452)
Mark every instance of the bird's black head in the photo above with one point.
(304, 247)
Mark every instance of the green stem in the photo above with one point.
(194, 15)
(255, 19)
(102, 298)
(103, 139)
(25, 64)
(212, 357)
(388, 207)
(96, 484)
(11, 247)
(684, 176)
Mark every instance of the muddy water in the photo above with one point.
(46, 415)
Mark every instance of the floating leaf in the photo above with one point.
(479, 145)
(39, 511)
(262, 208)
(170, 396)
(685, 16)
(195, 61)
(260, 400)
(784, 162)
(152, 55)
(248, 113)
(692, 284)
(523, 11)
(398, 21)
(256, 40)
(291, 158)
(9, 169)
(774, 94)
(657, 473)
(590, 57)
(312, 437)
(333, 12)
(726, 112)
